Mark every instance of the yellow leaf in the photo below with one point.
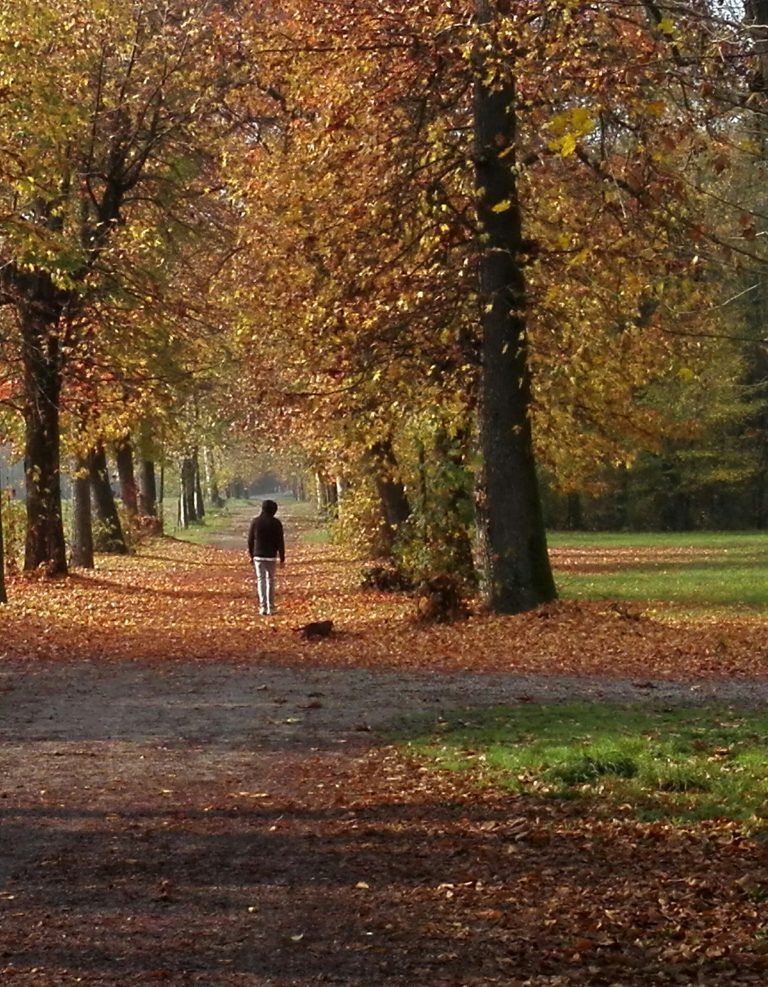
(666, 26)
(502, 206)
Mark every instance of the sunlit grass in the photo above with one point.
(215, 520)
(697, 570)
(299, 518)
(678, 764)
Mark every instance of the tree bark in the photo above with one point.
(39, 313)
(3, 592)
(187, 513)
(395, 506)
(147, 497)
(82, 526)
(574, 517)
(211, 479)
(199, 498)
(109, 537)
(454, 497)
(127, 476)
(147, 500)
(512, 550)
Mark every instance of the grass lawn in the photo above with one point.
(300, 518)
(697, 570)
(679, 764)
(216, 519)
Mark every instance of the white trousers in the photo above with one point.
(265, 583)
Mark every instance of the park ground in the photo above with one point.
(192, 794)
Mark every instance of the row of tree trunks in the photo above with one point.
(191, 500)
(93, 498)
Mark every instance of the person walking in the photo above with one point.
(266, 544)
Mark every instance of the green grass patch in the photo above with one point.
(672, 763)
(216, 520)
(298, 517)
(700, 570)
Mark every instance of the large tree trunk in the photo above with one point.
(109, 536)
(395, 507)
(39, 316)
(82, 527)
(127, 477)
(512, 549)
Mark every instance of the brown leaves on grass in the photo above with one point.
(478, 887)
(179, 601)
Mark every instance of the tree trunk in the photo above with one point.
(395, 507)
(321, 495)
(147, 493)
(147, 499)
(512, 548)
(82, 527)
(574, 514)
(125, 472)
(39, 315)
(199, 499)
(342, 486)
(211, 479)
(3, 593)
(187, 514)
(109, 536)
(453, 495)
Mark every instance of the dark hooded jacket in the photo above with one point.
(265, 536)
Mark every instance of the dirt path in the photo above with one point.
(219, 823)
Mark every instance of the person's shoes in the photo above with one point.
(270, 612)
(262, 612)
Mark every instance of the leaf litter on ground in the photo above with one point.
(175, 600)
(424, 877)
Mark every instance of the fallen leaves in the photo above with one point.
(174, 600)
(357, 870)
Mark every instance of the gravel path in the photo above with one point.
(274, 708)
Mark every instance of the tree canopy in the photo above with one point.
(445, 252)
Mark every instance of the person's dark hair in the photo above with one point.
(269, 507)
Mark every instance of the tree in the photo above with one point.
(599, 250)
(512, 541)
(111, 120)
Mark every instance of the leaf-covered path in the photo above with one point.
(193, 795)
